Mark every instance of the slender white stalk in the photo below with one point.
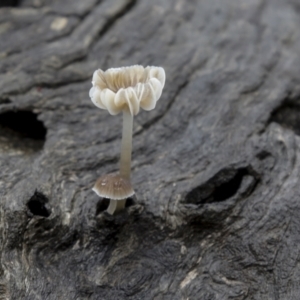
(125, 162)
(126, 147)
(115, 206)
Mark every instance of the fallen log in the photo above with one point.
(215, 166)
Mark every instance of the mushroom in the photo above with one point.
(124, 89)
(116, 188)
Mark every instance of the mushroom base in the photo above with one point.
(116, 206)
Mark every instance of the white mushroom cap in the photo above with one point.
(113, 186)
(133, 86)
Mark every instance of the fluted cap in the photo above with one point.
(133, 86)
(113, 186)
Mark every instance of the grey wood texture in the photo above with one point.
(215, 165)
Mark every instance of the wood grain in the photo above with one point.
(215, 165)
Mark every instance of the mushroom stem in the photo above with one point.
(125, 162)
(126, 147)
(115, 206)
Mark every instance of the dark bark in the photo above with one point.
(215, 165)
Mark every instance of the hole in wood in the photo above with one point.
(22, 130)
(288, 116)
(129, 202)
(102, 205)
(5, 101)
(13, 3)
(37, 205)
(24, 123)
(221, 187)
(227, 189)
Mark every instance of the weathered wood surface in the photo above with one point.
(215, 165)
